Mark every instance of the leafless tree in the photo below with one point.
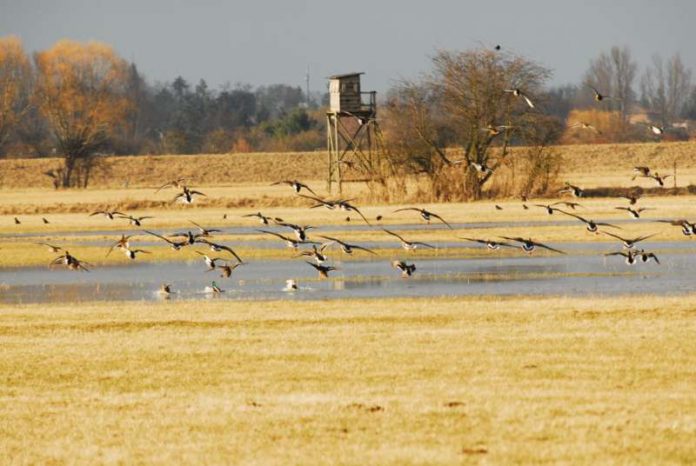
(15, 87)
(665, 88)
(613, 75)
(479, 100)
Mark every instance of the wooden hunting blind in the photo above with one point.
(352, 130)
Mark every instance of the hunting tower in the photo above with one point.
(351, 129)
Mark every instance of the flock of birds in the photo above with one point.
(314, 250)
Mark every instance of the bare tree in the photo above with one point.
(479, 100)
(666, 87)
(613, 75)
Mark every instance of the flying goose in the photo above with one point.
(290, 285)
(406, 269)
(591, 225)
(659, 179)
(226, 269)
(492, 245)
(688, 228)
(204, 231)
(187, 195)
(584, 125)
(517, 92)
(346, 206)
(175, 245)
(131, 253)
(409, 245)
(121, 243)
(425, 215)
(635, 213)
(628, 243)
(291, 243)
(632, 198)
(495, 130)
(297, 186)
(598, 96)
(646, 256)
(346, 247)
(177, 183)
(70, 261)
(190, 238)
(656, 130)
(322, 269)
(481, 168)
(528, 245)
(630, 256)
(51, 247)
(640, 170)
(106, 213)
(45, 220)
(210, 261)
(135, 221)
(219, 247)
(317, 254)
(574, 190)
(263, 219)
(300, 230)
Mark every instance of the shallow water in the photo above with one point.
(528, 275)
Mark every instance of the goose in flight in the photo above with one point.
(291, 243)
(322, 269)
(598, 96)
(175, 245)
(409, 245)
(630, 256)
(687, 228)
(317, 254)
(584, 125)
(346, 247)
(591, 225)
(300, 230)
(406, 269)
(187, 195)
(70, 261)
(425, 215)
(265, 220)
(204, 232)
(296, 185)
(628, 243)
(135, 221)
(219, 247)
(492, 245)
(635, 213)
(177, 183)
(121, 243)
(54, 249)
(576, 191)
(107, 213)
(517, 92)
(528, 245)
(131, 253)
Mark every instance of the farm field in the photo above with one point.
(419, 381)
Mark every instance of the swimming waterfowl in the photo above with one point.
(165, 290)
(317, 254)
(574, 190)
(688, 228)
(219, 247)
(290, 285)
(70, 261)
(291, 243)
(635, 213)
(175, 245)
(135, 221)
(205, 231)
(297, 186)
(629, 255)
(322, 269)
(106, 213)
(345, 247)
(517, 92)
(591, 225)
(409, 245)
(121, 243)
(213, 288)
(628, 243)
(131, 253)
(492, 245)
(425, 215)
(51, 247)
(406, 269)
(528, 245)
(264, 219)
(187, 195)
(177, 183)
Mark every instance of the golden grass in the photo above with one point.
(416, 381)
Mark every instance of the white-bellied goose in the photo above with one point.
(628, 243)
(300, 230)
(177, 183)
(688, 228)
(576, 191)
(265, 220)
(425, 215)
(517, 92)
(291, 243)
(187, 195)
(406, 269)
(629, 255)
(528, 245)
(135, 221)
(204, 232)
(106, 213)
(121, 243)
(492, 245)
(317, 254)
(219, 247)
(635, 213)
(131, 253)
(70, 261)
(175, 245)
(345, 247)
(296, 185)
(646, 256)
(591, 225)
(409, 245)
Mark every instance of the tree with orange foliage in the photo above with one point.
(15, 86)
(81, 89)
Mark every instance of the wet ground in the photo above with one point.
(586, 274)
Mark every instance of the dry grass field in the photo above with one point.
(425, 381)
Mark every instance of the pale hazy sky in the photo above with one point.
(273, 41)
